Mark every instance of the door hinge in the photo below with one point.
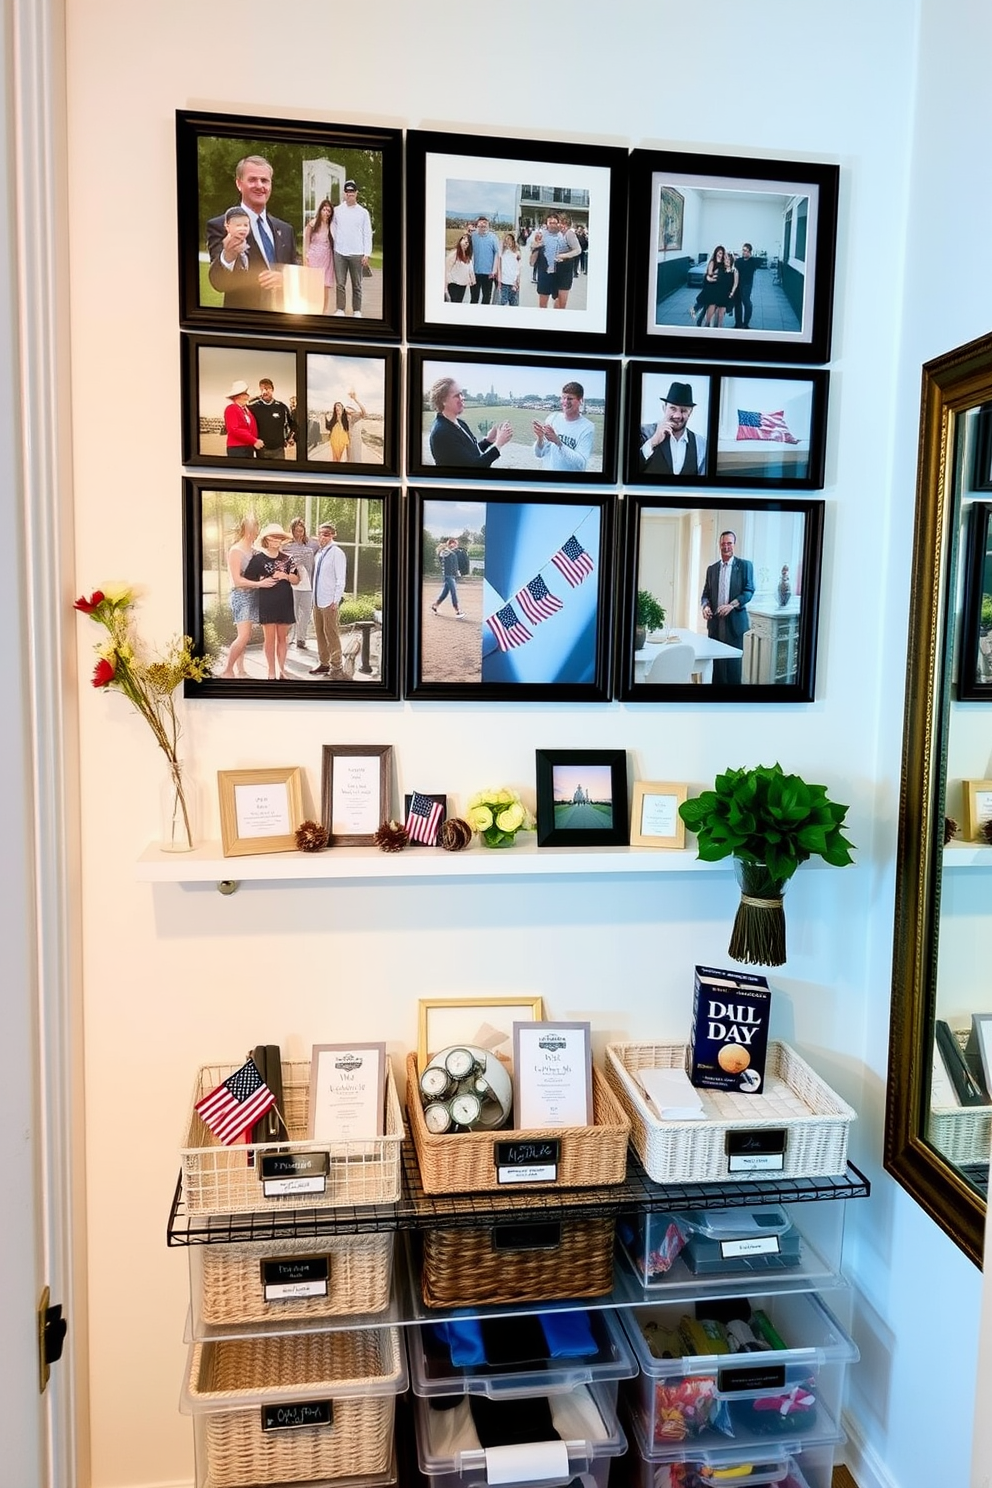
(52, 1328)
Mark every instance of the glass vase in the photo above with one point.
(177, 799)
(495, 837)
(758, 936)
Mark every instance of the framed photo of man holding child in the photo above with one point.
(515, 242)
(731, 258)
(289, 225)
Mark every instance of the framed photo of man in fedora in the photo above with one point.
(668, 437)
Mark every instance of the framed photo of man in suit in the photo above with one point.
(719, 603)
(288, 224)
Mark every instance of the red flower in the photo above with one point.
(87, 606)
(103, 673)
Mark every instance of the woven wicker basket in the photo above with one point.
(218, 1180)
(465, 1162)
(961, 1133)
(815, 1119)
(230, 1382)
(228, 1285)
(464, 1268)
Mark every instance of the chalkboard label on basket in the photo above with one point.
(542, 1235)
(293, 1173)
(287, 1277)
(291, 1416)
(757, 1151)
(732, 1381)
(527, 1162)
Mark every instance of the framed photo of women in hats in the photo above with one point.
(725, 426)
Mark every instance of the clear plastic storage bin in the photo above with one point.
(734, 1470)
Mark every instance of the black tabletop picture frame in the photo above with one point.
(764, 649)
(747, 427)
(975, 664)
(454, 179)
(682, 208)
(582, 798)
(339, 402)
(307, 163)
(510, 596)
(367, 522)
(578, 444)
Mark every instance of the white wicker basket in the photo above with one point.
(961, 1133)
(794, 1098)
(221, 1180)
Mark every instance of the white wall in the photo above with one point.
(175, 977)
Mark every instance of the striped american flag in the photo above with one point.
(236, 1104)
(573, 561)
(537, 601)
(508, 628)
(751, 425)
(423, 817)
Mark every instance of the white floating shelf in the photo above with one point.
(525, 859)
(967, 855)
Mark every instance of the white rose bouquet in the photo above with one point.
(497, 816)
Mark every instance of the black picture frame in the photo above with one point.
(786, 209)
(671, 549)
(559, 648)
(975, 655)
(367, 519)
(308, 374)
(437, 800)
(518, 391)
(981, 479)
(309, 162)
(564, 776)
(455, 178)
(763, 429)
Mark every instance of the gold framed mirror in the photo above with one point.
(935, 1147)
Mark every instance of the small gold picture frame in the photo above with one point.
(977, 802)
(443, 1021)
(654, 814)
(260, 810)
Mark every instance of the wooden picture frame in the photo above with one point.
(654, 814)
(260, 810)
(976, 801)
(785, 211)
(582, 798)
(355, 792)
(443, 1021)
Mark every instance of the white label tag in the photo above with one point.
(760, 1245)
(273, 1187)
(540, 1173)
(527, 1462)
(757, 1162)
(285, 1291)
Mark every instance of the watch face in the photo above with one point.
(437, 1119)
(434, 1081)
(460, 1063)
(465, 1109)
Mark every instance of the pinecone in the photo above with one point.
(455, 834)
(311, 837)
(391, 837)
(986, 830)
(950, 829)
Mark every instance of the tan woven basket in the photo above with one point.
(465, 1162)
(230, 1286)
(463, 1268)
(229, 1382)
(218, 1179)
(794, 1098)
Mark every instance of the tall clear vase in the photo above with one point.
(177, 800)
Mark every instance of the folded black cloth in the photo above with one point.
(508, 1423)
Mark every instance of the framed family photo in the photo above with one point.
(975, 656)
(515, 242)
(719, 603)
(732, 426)
(287, 224)
(731, 258)
(291, 588)
(582, 798)
(297, 405)
(260, 810)
(509, 596)
(355, 792)
(504, 417)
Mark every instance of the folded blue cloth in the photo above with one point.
(568, 1335)
(463, 1339)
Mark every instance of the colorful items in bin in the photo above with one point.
(686, 1407)
(664, 1343)
(518, 1340)
(729, 1038)
(465, 1088)
(654, 1243)
(727, 1240)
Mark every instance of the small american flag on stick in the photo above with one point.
(771, 426)
(508, 628)
(573, 561)
(537, 601)
(236, 1104)
(423, 817)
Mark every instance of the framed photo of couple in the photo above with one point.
(719, 603)
(515, 243)
(731, 258)
(289, 226)
(731, 426)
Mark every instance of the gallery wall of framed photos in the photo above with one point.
(418, 365)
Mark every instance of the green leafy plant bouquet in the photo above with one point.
(768, 822)
(497, 816)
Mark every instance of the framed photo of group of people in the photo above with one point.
(529, 270)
